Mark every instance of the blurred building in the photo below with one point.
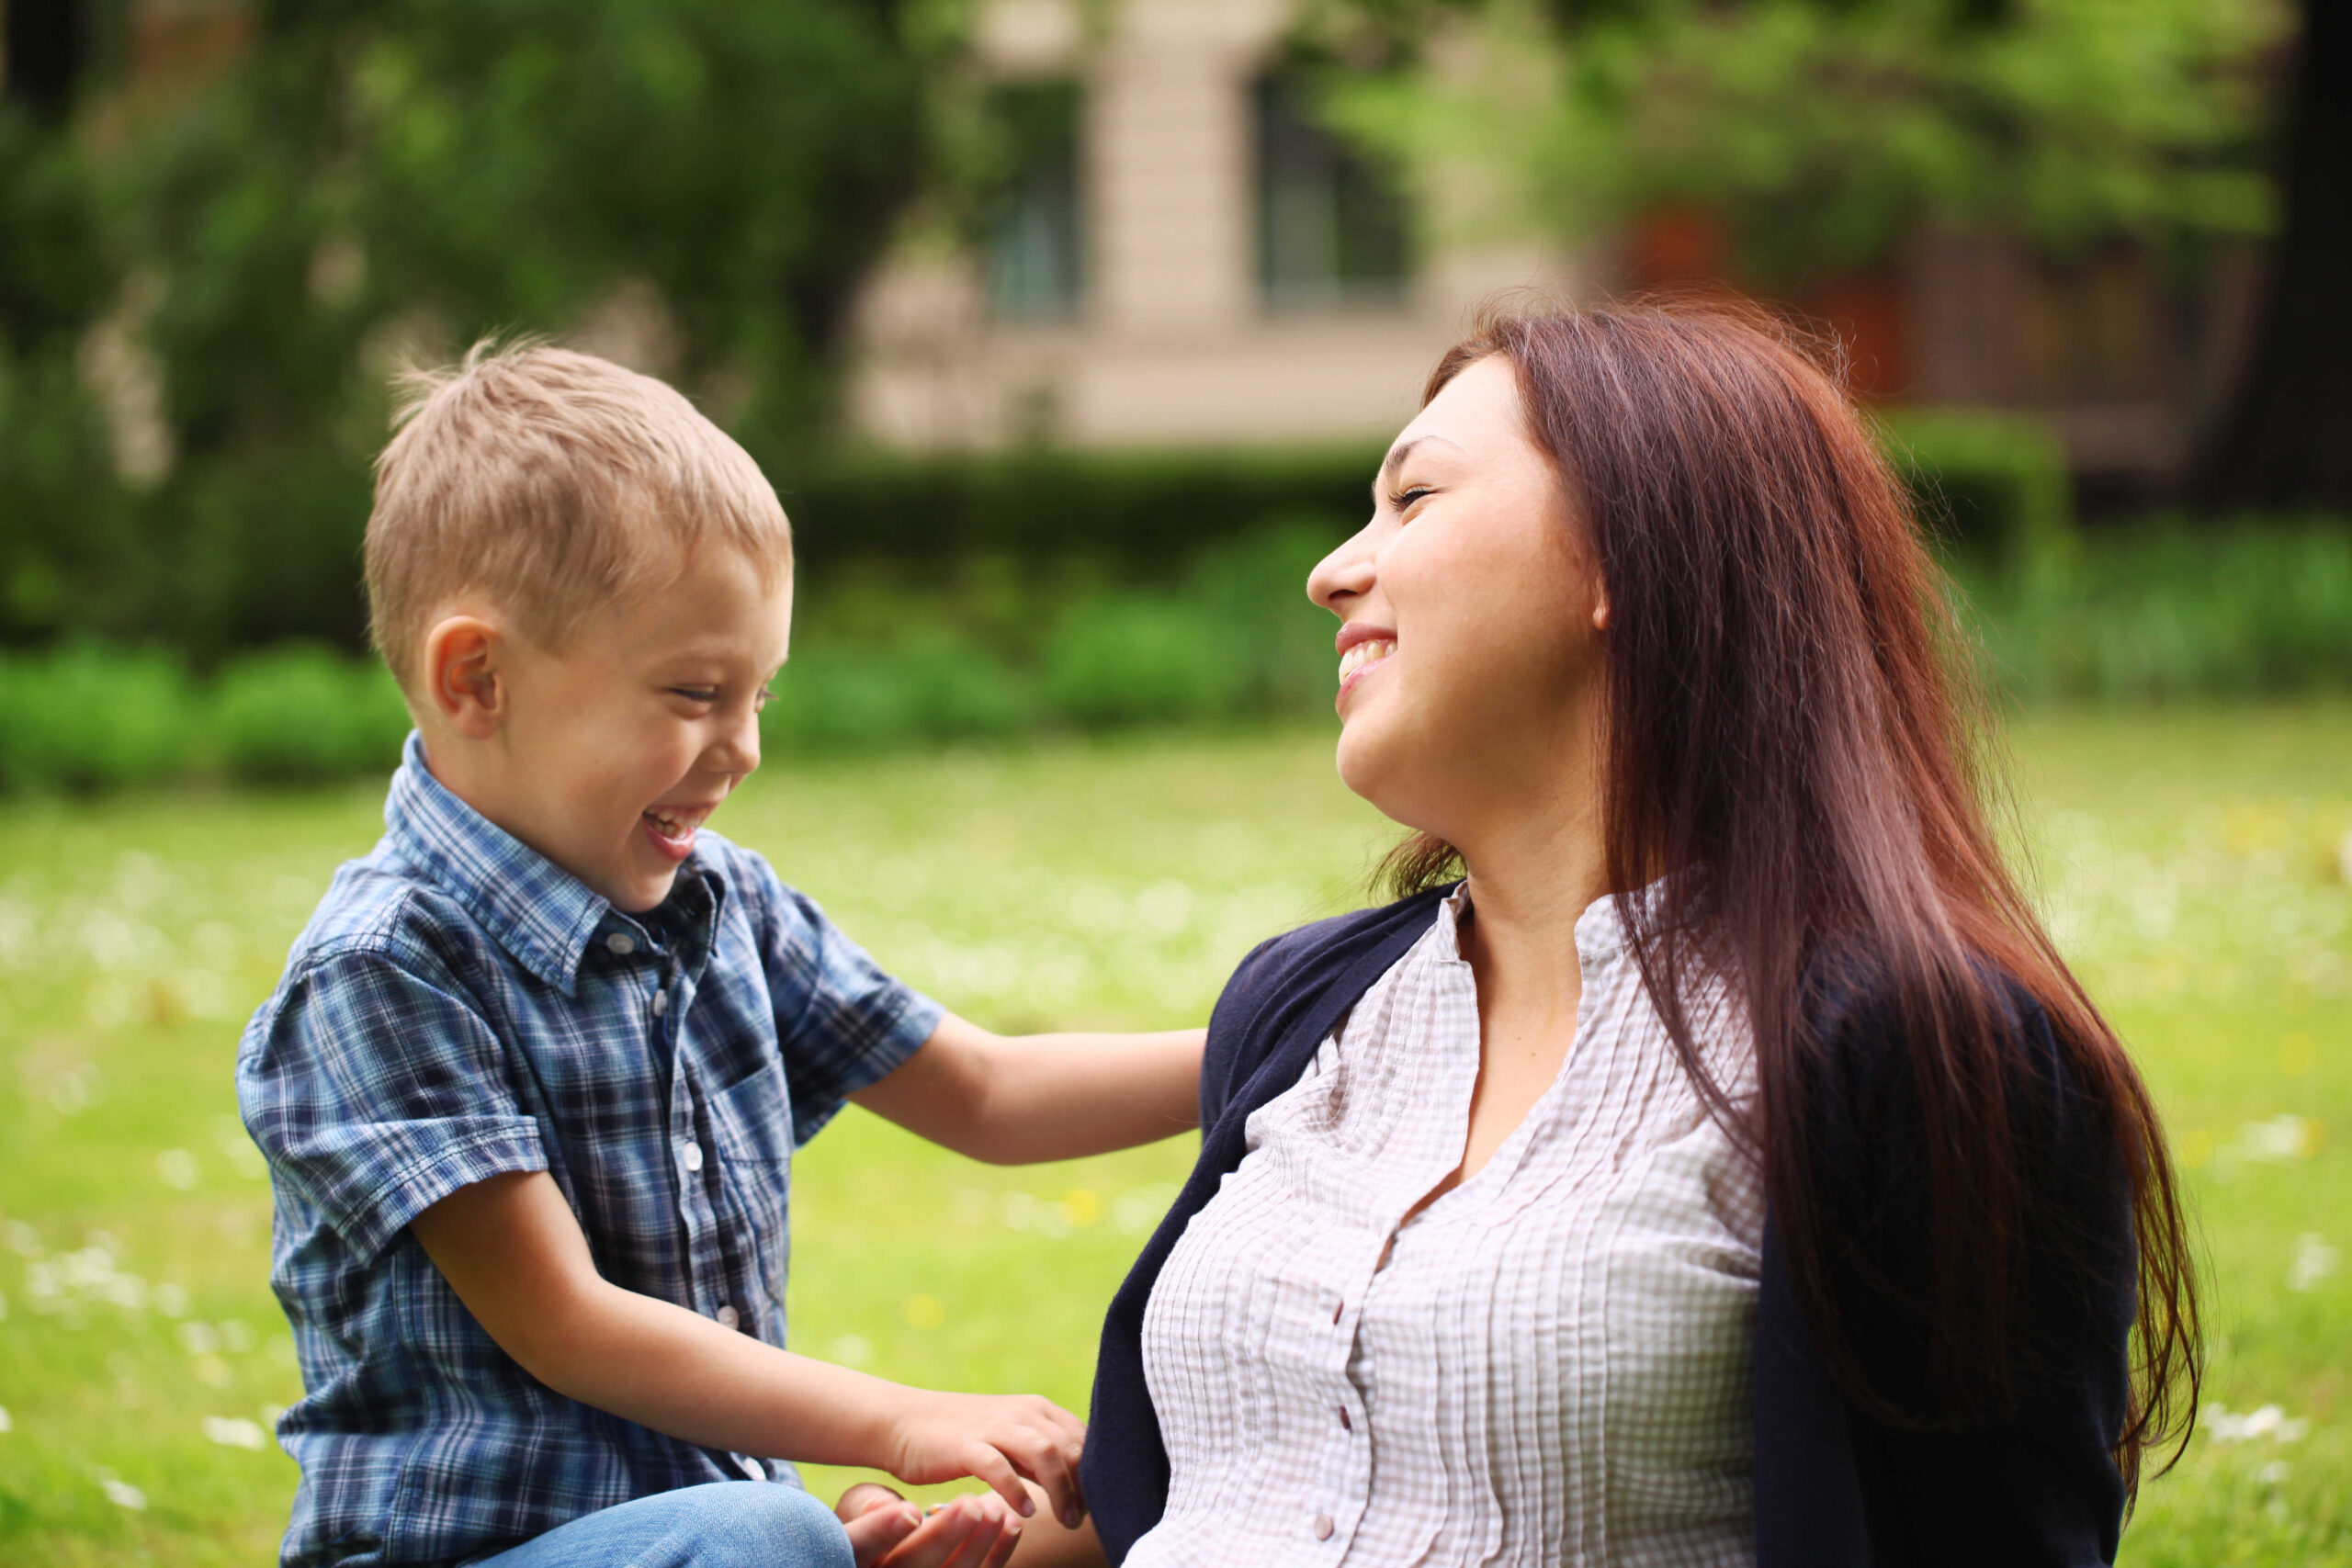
(2123, 357)
(1180, 253)
(1181, 256)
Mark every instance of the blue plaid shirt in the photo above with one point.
(458, 1007)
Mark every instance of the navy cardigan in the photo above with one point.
(1834, 1487)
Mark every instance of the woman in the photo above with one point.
(1708, 1159)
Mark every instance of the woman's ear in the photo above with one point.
(464, 669)
(1601, 611)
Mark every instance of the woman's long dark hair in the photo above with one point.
(1788, 708)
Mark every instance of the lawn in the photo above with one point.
(2189, 860)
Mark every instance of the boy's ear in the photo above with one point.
(465, 661)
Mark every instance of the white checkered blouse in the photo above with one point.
(1553, 1363)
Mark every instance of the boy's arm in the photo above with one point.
(1014, 1100)
(512, 1250)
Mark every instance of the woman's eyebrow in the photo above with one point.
(1404, 449)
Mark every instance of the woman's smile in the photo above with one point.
(1360, 650)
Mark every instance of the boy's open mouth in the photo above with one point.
(671, 827)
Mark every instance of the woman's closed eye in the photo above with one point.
(1409, 496)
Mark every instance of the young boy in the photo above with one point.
(532, 1082)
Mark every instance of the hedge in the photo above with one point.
(226, 561)
(990, 652)
(1993, 488)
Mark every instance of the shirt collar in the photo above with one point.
(540, 912)
(1600, 934)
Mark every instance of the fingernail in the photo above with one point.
(1028, 1506)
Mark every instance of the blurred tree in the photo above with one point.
(43, 44)
(695, 186)
(64, 517)
(1824, 131)
(2286, 440)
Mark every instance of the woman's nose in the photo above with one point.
(1344, 573)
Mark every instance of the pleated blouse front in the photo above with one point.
(1552, 1363)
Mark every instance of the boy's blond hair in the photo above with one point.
(553, 483)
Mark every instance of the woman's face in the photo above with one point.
(1469, 644)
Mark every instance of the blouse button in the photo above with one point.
(1345, 1425)
(1337, 1309)
(621, 943)
(661, 1003)
(727, 1318)
(691, 1156)
(1322, 1527)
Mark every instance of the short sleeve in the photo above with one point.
(377, 1093)
(844, 1023)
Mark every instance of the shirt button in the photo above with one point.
(1345, 1425)
(1323, 1527)
(1337, 1310)
(620, 943)
(691, 1156)
(727, 1318)
(661, 1003)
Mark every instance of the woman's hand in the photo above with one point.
(975, 1530)
(996, 1438)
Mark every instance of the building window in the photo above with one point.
(1036, 217)
(1332, 229)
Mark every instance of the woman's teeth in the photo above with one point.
(1362, 656)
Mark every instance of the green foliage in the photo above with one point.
(1138, 659)
(695, 185)
(2151, 611)
(995, 547)
(1254, 590)
(1826, 131)
(2166, 612)
(1145, 508)
(296, 713)
(85, 717)
(88, 718)
(1993, 489)
(938, 686)
(65, 515)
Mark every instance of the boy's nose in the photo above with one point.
(738, 751)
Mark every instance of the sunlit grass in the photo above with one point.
(2190, 862)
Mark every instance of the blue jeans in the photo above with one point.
(726, 1524)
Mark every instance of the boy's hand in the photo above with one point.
(887, 1531)
(996, 1439)
(512, 1250)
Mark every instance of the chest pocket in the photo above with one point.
(750, 1123)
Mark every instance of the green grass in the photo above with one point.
(2188, 858)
